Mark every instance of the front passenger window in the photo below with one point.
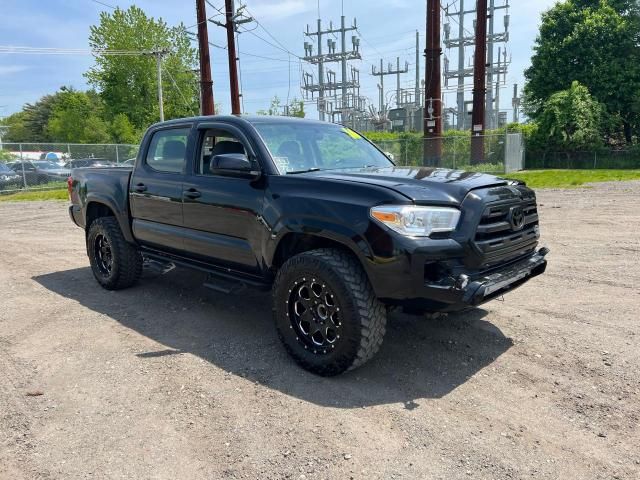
(167, 152)
(217, 142)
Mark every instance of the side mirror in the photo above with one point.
(233, 165)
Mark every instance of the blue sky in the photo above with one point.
(387, 28)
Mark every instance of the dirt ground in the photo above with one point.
(171, 380)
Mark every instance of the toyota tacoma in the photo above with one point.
(317, 214)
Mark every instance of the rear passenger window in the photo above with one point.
(167, 152)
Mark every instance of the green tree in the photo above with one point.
(128, 84)
(76, 118)
(594, 42)
(17, 128)
(122, 131)
(571, 119)
(296, 108)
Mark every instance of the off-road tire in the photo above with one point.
(363, 317)
(126, 259)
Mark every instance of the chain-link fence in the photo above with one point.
(47, 165)
(502, 153)
(598, 159)
(40, 166)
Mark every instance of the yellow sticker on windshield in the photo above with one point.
(352, 134)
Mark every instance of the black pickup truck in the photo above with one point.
(316, 213)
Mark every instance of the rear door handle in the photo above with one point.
(141, 187)
(192, 193)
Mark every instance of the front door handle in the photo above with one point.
(141, 187)
(192, 193)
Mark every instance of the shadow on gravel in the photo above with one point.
(419, 359)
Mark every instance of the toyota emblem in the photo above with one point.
(517, 219)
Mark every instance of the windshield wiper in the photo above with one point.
(298, 172)
(358, 167)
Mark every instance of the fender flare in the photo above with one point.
(327, 229)
(122, 217)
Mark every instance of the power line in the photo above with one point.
(270, 35)
(17, 50)
(104, 4)
(184, 99)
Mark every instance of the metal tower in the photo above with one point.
(465, 38)
(348, 104)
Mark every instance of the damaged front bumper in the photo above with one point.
(467, 288)
(505, 280)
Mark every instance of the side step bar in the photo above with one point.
(223, 285)
(225, 281)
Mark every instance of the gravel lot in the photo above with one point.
(171, 380)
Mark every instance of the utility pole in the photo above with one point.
(160, 99)
(233, 60)
(496, 109)
(433, 88)
(329, 85)
(321, 105)
(233, 18)
(390, 71)
(380, 74)
(515, 103)
(417, 99)
(479, 85)
(159, 54)
(461, 42)
(207, 105)
(462, 114)
(381, 95)
(490, 118)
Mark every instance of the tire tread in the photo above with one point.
(370, 311)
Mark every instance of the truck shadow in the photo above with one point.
(420, 358)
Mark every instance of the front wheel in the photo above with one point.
(116, 264)
(326, 312)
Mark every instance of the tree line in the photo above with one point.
(582, 89)
(122, 100)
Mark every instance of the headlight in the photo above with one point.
(415, 221)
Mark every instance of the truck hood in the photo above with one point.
(420, 184)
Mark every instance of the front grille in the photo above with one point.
(497, 240)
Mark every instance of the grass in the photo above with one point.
(58, 194)
(573, 178)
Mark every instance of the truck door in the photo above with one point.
(221, 213)
(156, 189)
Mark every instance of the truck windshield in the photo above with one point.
(297, 147)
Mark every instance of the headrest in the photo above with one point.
(174, 149)
(225, 147)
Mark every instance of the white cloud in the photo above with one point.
(11, 69)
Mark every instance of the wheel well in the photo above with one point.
(295, 243)
(97, 210)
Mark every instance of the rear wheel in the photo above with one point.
(326, 312)
(116, 264)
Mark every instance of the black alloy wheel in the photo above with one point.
(116, 263)
(326, 312)
(104, 256)
(314, 315)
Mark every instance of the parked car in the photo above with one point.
(55, 157)
(316, 213)
(89, 162)
(8, 178)
(38, 172)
